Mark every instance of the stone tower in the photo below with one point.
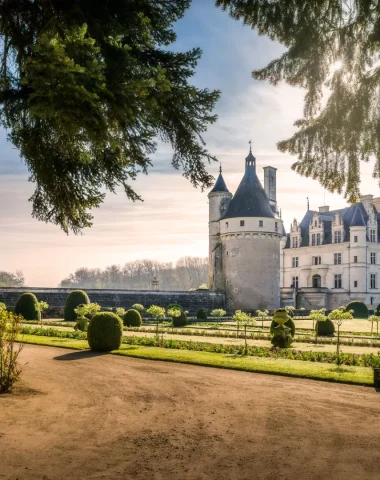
(245, 234)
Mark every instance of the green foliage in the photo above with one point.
(73, 300)
(2, 306)
(324, 327)
(156, 312)
(87, 88)
(377, 311)
(105, 332)
(202, 314)
(218, 312)
(290, 311)
(137, 306)
(180, 320)
(281, 317)
(318, 315)
(27, 306)
(132, 318)
(84, 313)
(176, 306)
(360, 309)
(10, 369)
(281, 337)
(341, 115)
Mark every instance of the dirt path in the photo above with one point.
(76, 415)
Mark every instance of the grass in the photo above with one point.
(291, 368)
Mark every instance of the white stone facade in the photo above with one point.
(331, 258)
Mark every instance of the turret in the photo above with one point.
(219, 199)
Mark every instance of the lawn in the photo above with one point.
(293, 368)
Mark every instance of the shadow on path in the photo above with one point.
(80, 355)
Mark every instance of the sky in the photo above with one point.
(173, 219)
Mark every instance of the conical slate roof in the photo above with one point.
(358, 218)
(250, 199)
(220, 185)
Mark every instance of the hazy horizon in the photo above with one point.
(172, 222)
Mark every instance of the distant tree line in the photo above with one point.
(185, 274)
(9, 279)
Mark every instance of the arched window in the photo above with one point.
(317, 283)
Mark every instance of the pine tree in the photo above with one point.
(336, 134)
(86, 89)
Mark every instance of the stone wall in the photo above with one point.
(56, 297)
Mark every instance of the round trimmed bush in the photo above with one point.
(325, 328)
(360, 309)
(202, 314)
(27, 307)
(180, 321)
(105, 332)
(132, 318)
(73, 300)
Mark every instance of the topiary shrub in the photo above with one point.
(281, 337)
(105, 332)
(173, 306)
(180, 321)
(289, 323)
(360, 309)
(73, 300)
(202, 314)
(325, 328)
(132, 318)
(27, 306)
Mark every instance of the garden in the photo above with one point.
(317, 338)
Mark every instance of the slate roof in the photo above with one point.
(220, 185)
(250, 199)
(354, 215)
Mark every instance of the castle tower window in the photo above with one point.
(294, 262)
(337, 236)
(242, 223)
(295, 242)
(373, 235)
(355, 283)
(373, 258)
(355, 239)
(261, 223)
(373, 280)
(226, 224)
(275, 226)
(355, 259)
(337, 258)
(338, 281)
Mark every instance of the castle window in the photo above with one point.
(316, 223)
(313, 239)
(295, 283)
(373, 258)
(355, 283)
(318, 238)
(294, 262)
(373, 235)
(355, 259)
(226, 224)
(373, 280)
(372, 300)
(275, 227)
(227, 253)
(261, 223)
(337, 237)
(337, 258)
(317, 260)
(295, 242)
(227, 282)
(242, 223)
(355, 239)
(338, 281)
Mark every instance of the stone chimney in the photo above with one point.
(367, 201)
(324, 209)
(270, 186)
(376, 203)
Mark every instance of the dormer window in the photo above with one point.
(337, 236)
(372, 235)
(295, 242)
(316, 223)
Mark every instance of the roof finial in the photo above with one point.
(250, 146)
(220, 168)
(308, 205)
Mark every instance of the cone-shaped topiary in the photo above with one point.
(180, 321)
(73, 300)
(202, 314)
(132, 318)
(360, 309)
(27, 307)
(325, 328)
(280, 315)
(105, 332)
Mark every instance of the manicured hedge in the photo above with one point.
(132, 318)
(202, 314)
(26, 306)
(73, 300)
(290, 324)
(325, 328)
(105, 332)
(180, 321)
(360, 309)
